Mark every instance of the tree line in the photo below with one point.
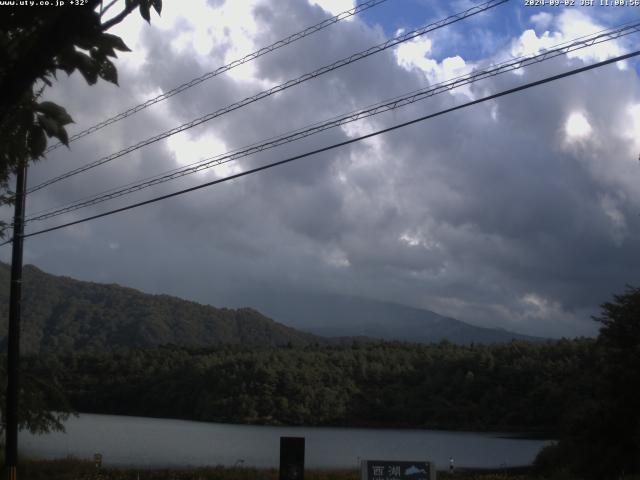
(516, 386)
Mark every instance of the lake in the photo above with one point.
(153, 442)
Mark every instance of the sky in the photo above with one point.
(519, 213)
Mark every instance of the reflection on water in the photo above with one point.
(151, 442)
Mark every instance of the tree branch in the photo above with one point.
(103, 10)
(121, 16)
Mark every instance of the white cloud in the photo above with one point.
(538, 306)
(419, 239)
(334, 6)
(414, 54)
(530, 43)
(616, 217)
(567, 26)
(542, 20)
(336, 258)
(410, 239)
(631, 126)
(577, 126)
(189, 149)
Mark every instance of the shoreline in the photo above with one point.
(507, 432)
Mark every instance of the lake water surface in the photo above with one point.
(151, 442)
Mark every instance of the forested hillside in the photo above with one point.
(62, 314)
(516, 386)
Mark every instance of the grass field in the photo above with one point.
(73, 469)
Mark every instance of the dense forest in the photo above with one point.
(61, 314)
(516, 386)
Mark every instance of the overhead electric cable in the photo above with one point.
(225, 68)
(387, 105)
(283, 86)
(341, 144)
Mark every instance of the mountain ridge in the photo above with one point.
(339, 315)
(62, 314)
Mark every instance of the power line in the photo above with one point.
(266, 93)
(387, 105)
(341, 144)
(225, 68)
(381, 107)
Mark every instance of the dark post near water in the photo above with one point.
(291, 458)
(13, 335)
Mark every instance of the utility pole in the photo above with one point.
(13, 353)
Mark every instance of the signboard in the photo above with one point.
(397, 470)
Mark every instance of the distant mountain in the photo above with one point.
(343, 316)
(61, 314)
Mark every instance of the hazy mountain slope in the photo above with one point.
(337, 315)
(63, 314)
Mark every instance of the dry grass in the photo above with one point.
(74, 469)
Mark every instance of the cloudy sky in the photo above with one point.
(520, 213)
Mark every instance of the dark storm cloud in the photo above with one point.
(489, 214)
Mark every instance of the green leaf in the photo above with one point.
(48, 108)
(157, 5)
(37, 141)
(109, 72)
(113, 41)
(68, 68)
(144, 10)
(106, 51)
(84, 43)
(25, 116)
(54, 111)
(50, 126)
(100, 54)
(96, 54)
(87, 66)
(64, 117)
(63, 136)
(66, 59)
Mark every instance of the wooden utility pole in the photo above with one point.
(13, 349)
